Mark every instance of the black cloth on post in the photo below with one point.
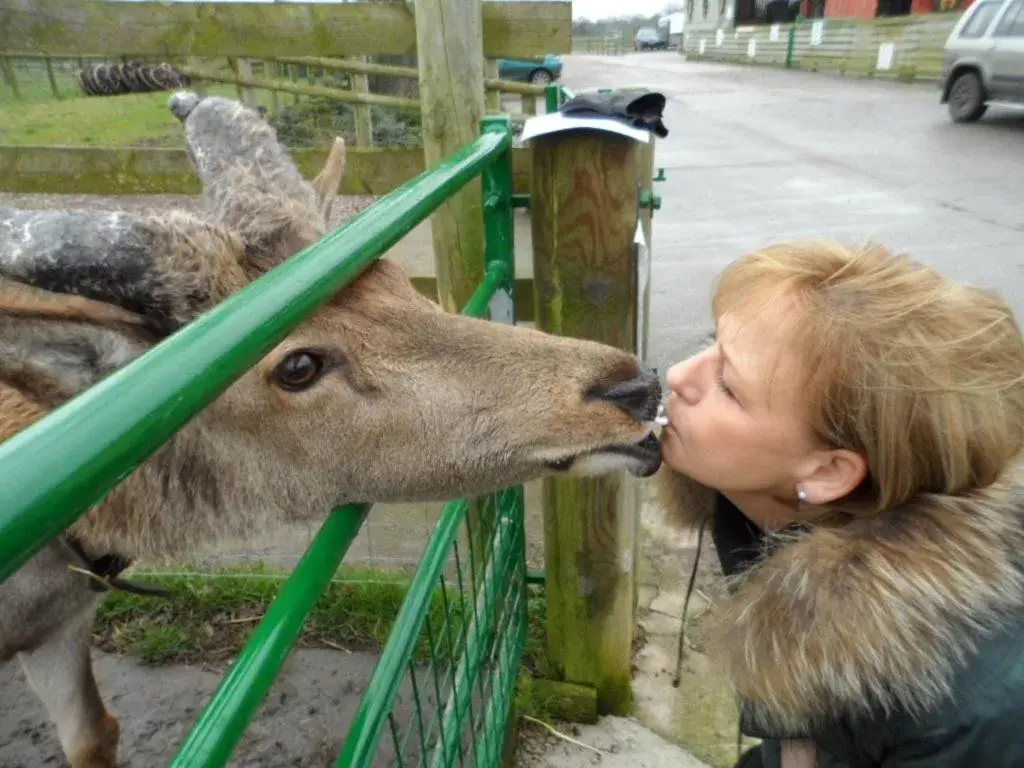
(639, 111)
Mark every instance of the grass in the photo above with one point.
(130, 120)
(210, 616)
(73, 119)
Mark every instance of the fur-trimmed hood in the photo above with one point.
(871, 616)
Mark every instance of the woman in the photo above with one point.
(852, 440)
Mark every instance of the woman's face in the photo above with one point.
(732, 429)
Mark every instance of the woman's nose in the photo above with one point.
(681, 380)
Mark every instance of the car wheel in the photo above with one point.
(967, 98)
(540, 77)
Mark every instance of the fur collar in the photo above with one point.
(873, 615)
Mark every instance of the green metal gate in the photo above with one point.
(457, 643)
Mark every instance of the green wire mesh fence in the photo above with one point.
(442, 692)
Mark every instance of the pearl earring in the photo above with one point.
(801, 494)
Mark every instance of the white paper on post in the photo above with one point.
(643, 267)
(886, 54)
(817, 32)
(542, 125)
(775, 34)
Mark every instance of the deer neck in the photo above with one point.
(198, 489)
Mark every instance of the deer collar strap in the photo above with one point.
(104, 571)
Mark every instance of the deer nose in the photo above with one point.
(639, 397)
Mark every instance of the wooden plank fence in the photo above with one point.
(262, 30)
(905, 48)
(150, 171)
(610, 45)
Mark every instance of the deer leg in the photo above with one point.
(60, 672)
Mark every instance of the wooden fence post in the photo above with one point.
(364, 121)
(243, 69)
(49, 76)
(493, 98)
(272, 71)
(452, 106)
(7, 67)
(586, 206)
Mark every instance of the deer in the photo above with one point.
(380, 396)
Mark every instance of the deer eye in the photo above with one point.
(299, 370)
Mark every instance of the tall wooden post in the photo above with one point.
(586, 196)
(450, 49)
(364, 121)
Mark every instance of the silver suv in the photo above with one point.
(983, 62)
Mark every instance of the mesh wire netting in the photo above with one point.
(459, 679)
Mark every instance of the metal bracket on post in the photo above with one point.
(650, 200)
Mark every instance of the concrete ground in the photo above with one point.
(754, 156)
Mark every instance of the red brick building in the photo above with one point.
(871, 9)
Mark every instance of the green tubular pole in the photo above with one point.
(509, 655)
(98, 438)
(494, 278)
(222, 722)
(552, 95)
(499, 242)
(373, 711)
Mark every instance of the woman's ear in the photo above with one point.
(835, 474)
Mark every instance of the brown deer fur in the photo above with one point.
(409, 403)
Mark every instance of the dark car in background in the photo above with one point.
(650, 39)
(536, 71)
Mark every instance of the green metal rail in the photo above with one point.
(102, 435)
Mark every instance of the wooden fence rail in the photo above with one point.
(263, 30)
(278, 75)
(908, 48)
(611, 45)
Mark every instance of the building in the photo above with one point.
(872, 9)
(703, 15)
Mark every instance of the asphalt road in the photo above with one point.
(756, 155)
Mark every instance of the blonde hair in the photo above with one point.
(922, 376)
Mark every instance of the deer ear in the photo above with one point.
(327, 181)
(54, 346)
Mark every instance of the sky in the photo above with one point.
(597, 9)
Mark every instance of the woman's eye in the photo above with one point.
(299, 370)
(722, 386)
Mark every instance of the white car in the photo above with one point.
(983, 63)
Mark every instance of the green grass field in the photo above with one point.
(132, 120)
(69, 118)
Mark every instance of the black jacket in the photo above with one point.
(894, 642)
